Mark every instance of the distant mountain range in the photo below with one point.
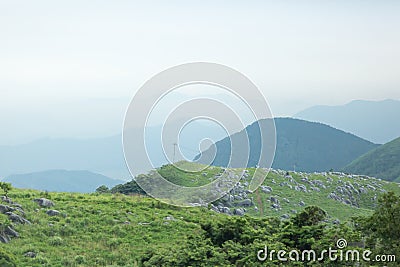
(100, 155)
(301, 145)
(382, 162)
(61, 181)
(376, 121)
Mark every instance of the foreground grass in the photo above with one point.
(105, 230)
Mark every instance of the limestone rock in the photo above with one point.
(53, 212)
(5, 208)
(30, 254)
(44, 202)
(239, 212)
(17, 218)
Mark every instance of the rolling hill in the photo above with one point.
(360, 117)
(121, 230)
(301, 145)
(382, 162)
(341, 195)
(61, 181)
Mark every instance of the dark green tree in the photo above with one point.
(6, 187)
(129, 188)
(102, 189)
(305, 229)
(382, 228)
(311, 215)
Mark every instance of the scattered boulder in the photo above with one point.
(362, 190)
(373, 188)
(237, 197)
(5, 208)
(285, 216)
(169, 218)
(246, 203)
(17, 218)
(30, 254)
(315, 189)
(239, 212)
(347, 201)
(4, 238)
(53, 212)
(6, 199)
(225, 210)
(318, 183)
(214, 208)
(301, 203)
(302, 188)
(266, 189)
(274, 200)
(7, 233)
(44, 202)
(11, 232)
(275, 206)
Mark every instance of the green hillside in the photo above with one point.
(382, 162)
(135, 230)
(300, 145)
(341, 195)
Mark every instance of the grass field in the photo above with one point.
(120, 230)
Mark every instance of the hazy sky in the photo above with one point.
(69, 68)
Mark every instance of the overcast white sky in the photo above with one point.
(69, 68)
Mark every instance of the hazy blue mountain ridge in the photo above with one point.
(376, 121)
(61, 181)
(301, 145)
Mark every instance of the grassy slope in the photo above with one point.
(116, 230)
(382, 162)
(101, 229)
(334, 208)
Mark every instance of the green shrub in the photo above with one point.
(102, 189)
(6, 187)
